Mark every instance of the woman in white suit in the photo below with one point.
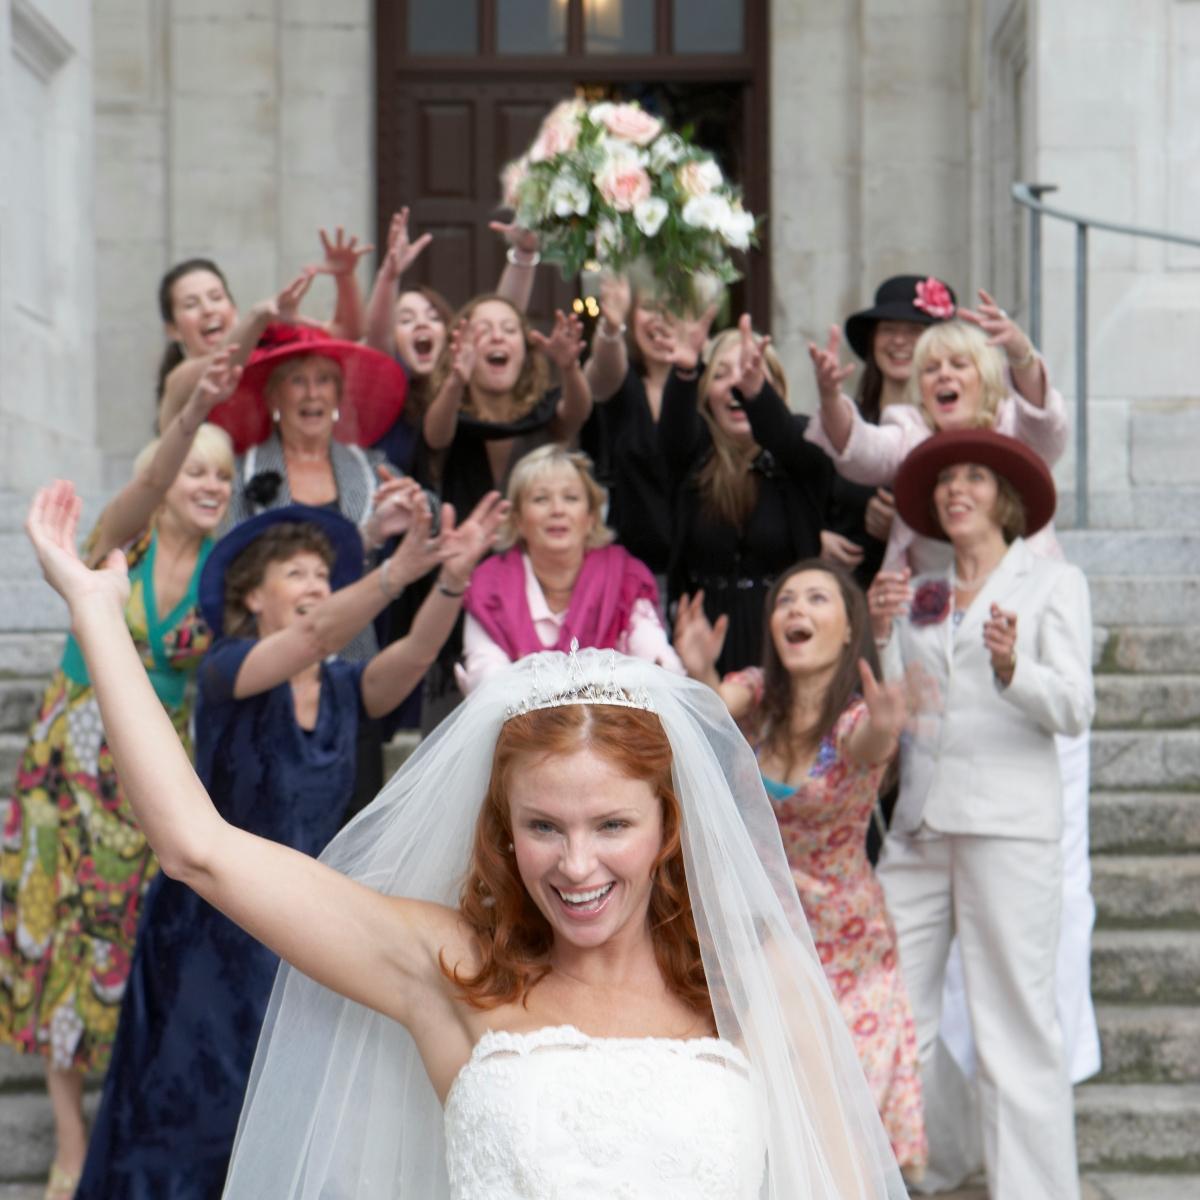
(1000, 646)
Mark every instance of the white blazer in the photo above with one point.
(983, 761)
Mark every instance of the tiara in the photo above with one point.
(578, 689)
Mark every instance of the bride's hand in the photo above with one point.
(52, 524)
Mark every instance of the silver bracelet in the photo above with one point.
(534, 258)
(615, 336)
(1022, 363)
(453, 595)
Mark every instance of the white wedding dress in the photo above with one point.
(555, 1113)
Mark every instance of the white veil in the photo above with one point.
(339, 1104)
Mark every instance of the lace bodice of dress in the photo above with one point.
(555, 1113)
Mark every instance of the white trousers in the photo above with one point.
(1002, 897)
(1073, 976)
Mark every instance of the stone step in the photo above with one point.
(1133, 551)
(1156, 599)
(1138, 1127)
(1129, 759)
(1149, 649)
(1147, 701)
(18, 703)
(1144, 822)
(29, 655)
(1149, 1043)
(1105, 1186)
(31, 606)
(1138, 508)
(1158, 966)
(1159, 890)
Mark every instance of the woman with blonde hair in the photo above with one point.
(559, 580)
(743, 513)
(74, 863)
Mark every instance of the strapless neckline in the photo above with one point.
(507, 1041)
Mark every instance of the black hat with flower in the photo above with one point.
(924, 300)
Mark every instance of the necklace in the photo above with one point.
(973, 586)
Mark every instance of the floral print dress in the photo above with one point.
(824, 823)
(73, 862)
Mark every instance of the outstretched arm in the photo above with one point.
(608, 363)
(522, 258)
(563, 347)
(130, 510)
(378, 950)
(341, 261)
(441, 417)
(381, 306)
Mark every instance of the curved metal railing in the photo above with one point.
(1030, 196)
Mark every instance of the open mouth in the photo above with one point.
(423, 344)
(586, 902)
(797, 637)
(946, 398)
(312, 412)
(208, 504)
(498, 359)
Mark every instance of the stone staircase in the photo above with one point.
(1138, 1122)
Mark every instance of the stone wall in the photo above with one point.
(232, 129)
(47, 292)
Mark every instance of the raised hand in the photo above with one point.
(464, 350)
(887, 703)
(392, 507)
(688, 335)
(464, 545)
(1000, 639)
(697, 641)
(751, 359)
(841, 550)
(287, 301)
(418, 552)
(881, 512)
(888, 597)
(52, 526)
(341, 254)
(616, 297)
(218, 383)
(523, 241)
(402, 252)
(565, 343)
(1000, 328)
(827, 367)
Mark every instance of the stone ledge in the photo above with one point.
(1147, 701)
(1138, 1126)
(1160, 966)
(1150, 649)
(1144, 822)
(1129, 759)
(1149, 1043)
(1158, 889)
(1132, 552)
(1143, 599)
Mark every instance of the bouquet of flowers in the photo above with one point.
(611, 183)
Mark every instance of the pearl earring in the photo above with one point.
(337, 415)
(275, 415)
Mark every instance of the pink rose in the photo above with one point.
(931, 604)
(631, 123)
(623, 183)
(559, 132)
(933, 297)
(699, 177)
(511, 179)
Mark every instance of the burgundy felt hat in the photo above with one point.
(1005, 456)
(374, 387)
(923, 300)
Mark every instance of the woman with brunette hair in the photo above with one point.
(411, 324)
(275, 730)
(974, 848)
(555, 1040)
(200, 317)
(825, 733)
(559, 580)
(882, 336)
(74, 863)
(743, 513)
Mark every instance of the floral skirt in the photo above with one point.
(73, 868)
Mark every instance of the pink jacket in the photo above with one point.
(873, 455)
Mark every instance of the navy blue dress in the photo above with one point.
(199, 985)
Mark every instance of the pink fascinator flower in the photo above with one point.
(933, 297)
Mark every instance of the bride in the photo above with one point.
(560, 953)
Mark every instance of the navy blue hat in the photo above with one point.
(342, 535)
(921, 300)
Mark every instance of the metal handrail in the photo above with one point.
(1030, 196)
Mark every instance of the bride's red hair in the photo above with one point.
(514, 938)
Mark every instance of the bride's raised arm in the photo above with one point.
(378, 950)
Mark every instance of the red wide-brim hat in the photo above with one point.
(1005, 456)
(374, 387)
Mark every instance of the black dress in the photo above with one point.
(621, 438)
(737, 565)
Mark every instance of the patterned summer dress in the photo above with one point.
(73, 863)
(824, 824)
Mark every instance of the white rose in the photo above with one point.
(666, 150)
(650, 214)
(609, 241)
(707, 212)
(598, 112)
(737, 227)
(568, 196)
(699, 177)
